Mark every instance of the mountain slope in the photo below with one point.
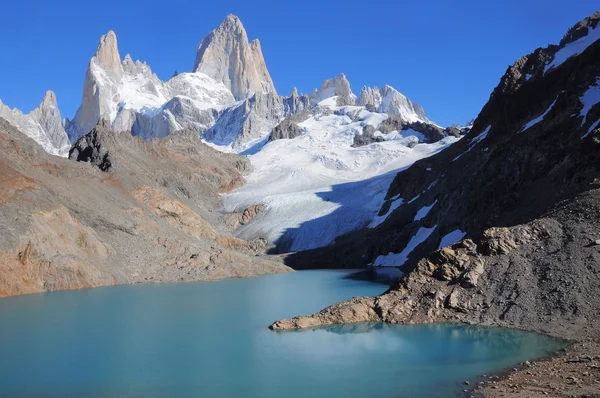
(121, 210)
(524, 188)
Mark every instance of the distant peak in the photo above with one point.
(227, 56)
(232, 23)
(107, 54)
(49, 99)
(232, 18)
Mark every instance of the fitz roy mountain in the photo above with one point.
(212, 174)
(229, 99)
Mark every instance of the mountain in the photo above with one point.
(389, 100)
(43, 124)
(501, 228)
(324, 171)
(229, 98)
(337, 87)
(130, 97)
(227, 56)
(119, 210)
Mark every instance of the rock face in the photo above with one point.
(253, 118)
(389, 100)
(338, 86)
(287, 129)
(520, 193)
(121, 210)
(43, 124)
(227, 56)
(296, 103)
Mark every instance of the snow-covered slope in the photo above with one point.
(43, 124)
(317, 187)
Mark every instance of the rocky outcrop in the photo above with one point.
(287, 129)
(227, 56)
(390, 100)
(235, 220)
(512, 277)
(296, 103)
(43, 124)
(89, 149)
(394, 122)
(337, 87)
(367, 137)
(121, 210)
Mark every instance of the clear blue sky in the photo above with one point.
(447, 55)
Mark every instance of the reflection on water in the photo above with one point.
(383, 275)
(211, 340)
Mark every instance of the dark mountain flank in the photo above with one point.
(524, 185)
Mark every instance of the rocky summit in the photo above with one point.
(227, 56)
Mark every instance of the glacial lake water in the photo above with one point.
(211, 340)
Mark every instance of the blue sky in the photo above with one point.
(446, 55)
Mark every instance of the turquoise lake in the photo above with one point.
(211, 340)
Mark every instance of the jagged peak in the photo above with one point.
(49, 100)
(255, 44)
(107, 54)
(232, 24)
(227, 56)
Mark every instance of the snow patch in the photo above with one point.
(452, 237)
(539, 118)
(481, 136)
(590, 98)
(592, 127)
(575, 48)
(398, 259)
(380, 219)
(474, 141)
(423, 211)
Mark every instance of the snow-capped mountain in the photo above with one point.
(130, 97)
(338, 86)
(390, 100)
(229, 98)
(43, 124)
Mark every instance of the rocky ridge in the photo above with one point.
(43, 124)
